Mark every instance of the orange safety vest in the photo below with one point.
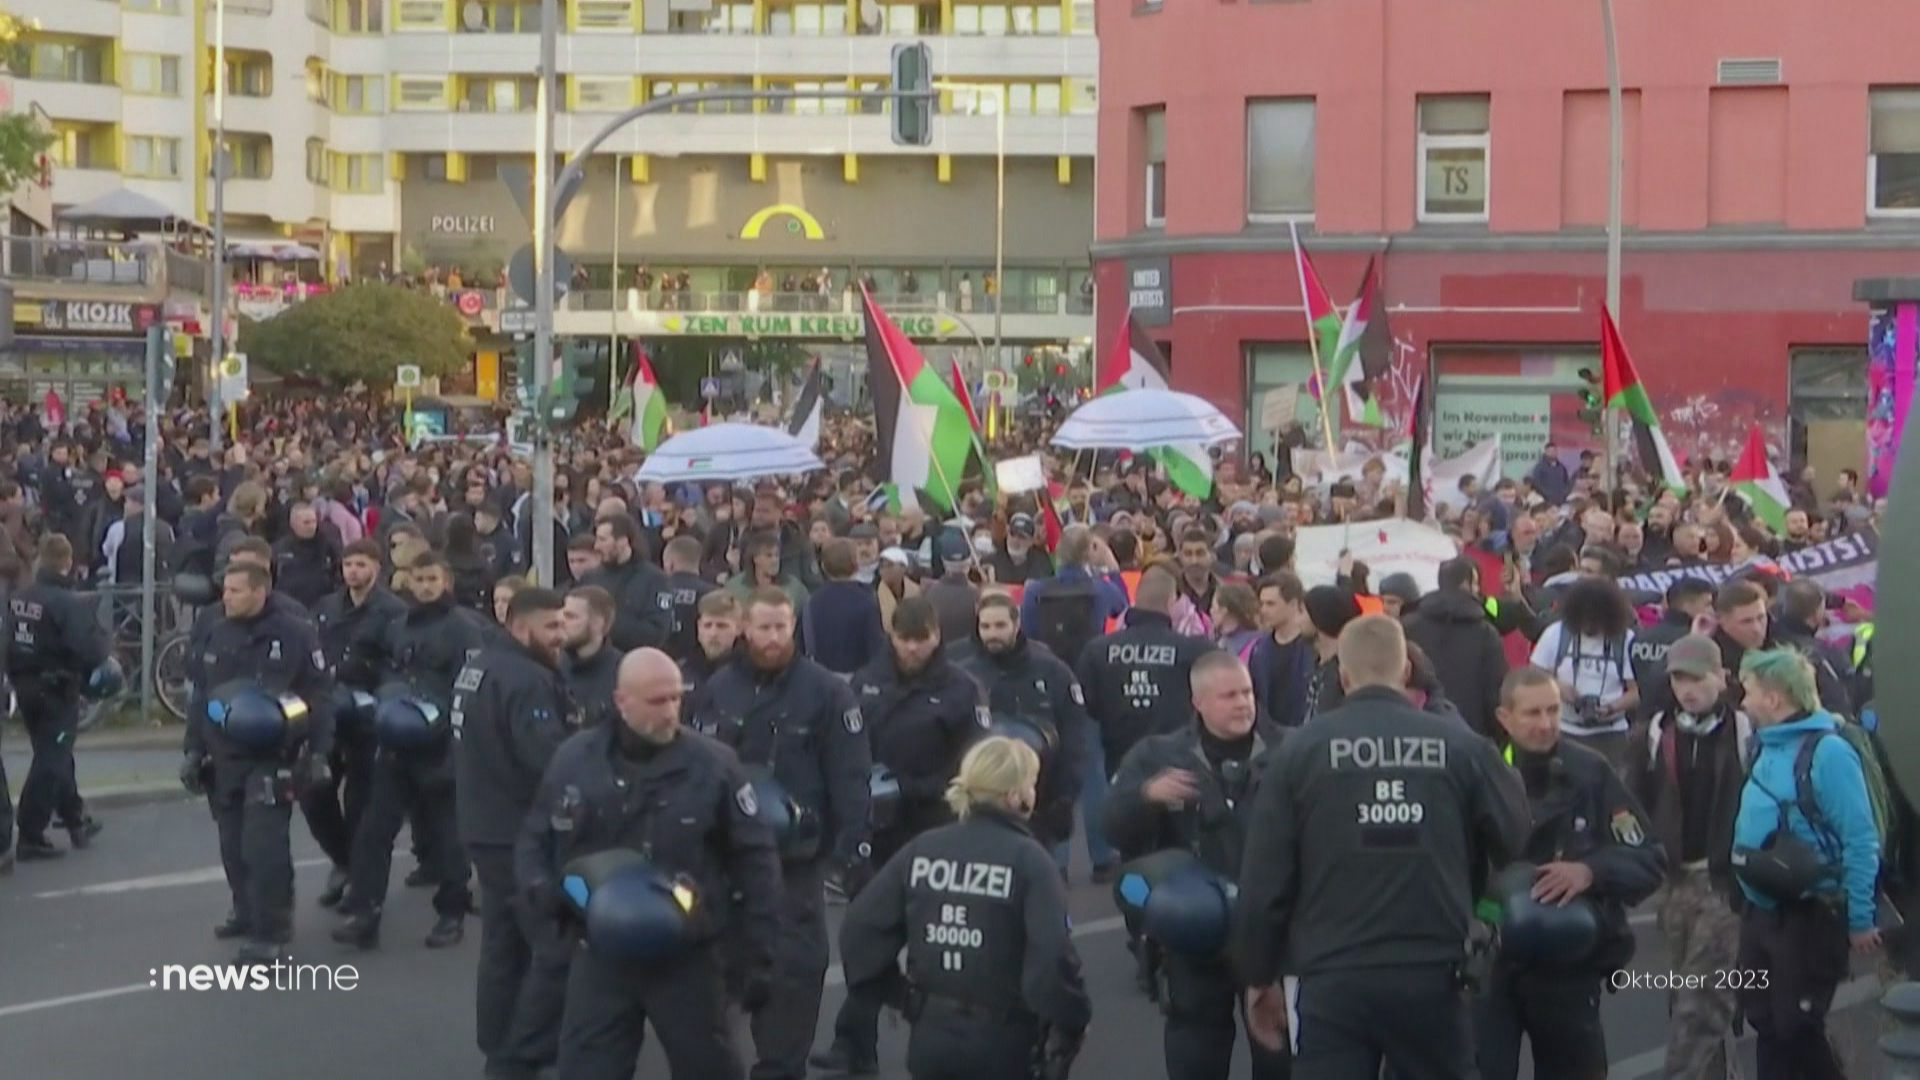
(1370, 605)
(1130, 579)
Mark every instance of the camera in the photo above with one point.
(1588, 708)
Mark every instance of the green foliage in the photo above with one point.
(360, 333)
(22, 137)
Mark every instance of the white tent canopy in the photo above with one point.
(123, 210)
(1142, 420)
(728, 452)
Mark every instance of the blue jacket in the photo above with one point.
(840, 627)
(1113, 594)
(1839, 790)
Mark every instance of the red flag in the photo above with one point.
(1050, 514)
(966, 399)
(56, 412)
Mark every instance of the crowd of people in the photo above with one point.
(730, 703)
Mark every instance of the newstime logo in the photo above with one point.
(279, 976)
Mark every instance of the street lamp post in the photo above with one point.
(215, 408)
(1615, 166)
(544, 220)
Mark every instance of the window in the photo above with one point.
(1454, 136)
(358, 16)
(420, 15)
(81, 145)
(317, 162)
(420, 93)
(433, 167)
(1083, 16)
(805, 106)
(602, 92)
(358, 174)
(1003, 19)
(1279, 159)
(1023, 99)
(807, 19)
(499, 17)
(153, 157)
(250, 76)
(603, 15)
(55, 61)
(150, 73)
(1270, 367)
(500, 94)
(721, 19)
(1155, 122)
(360, 94)
(251, 157)
(660, 89)
(1893, 163)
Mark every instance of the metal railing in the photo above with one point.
(117, 611)
(838, 303)
(133, 264)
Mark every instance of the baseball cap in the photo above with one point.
(1020, 525)
(953, 547)
(1695, 654)
(897, 556)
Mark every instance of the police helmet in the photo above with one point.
(1041, 736)
(1138, 879)
(1188, 913)
(796, 832)
(1534, 934)
(406, 720)
(194, 590)
(883, 797)
(254, 719)
(630, 910)
(106, 680)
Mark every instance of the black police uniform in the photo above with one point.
(642, 602)
(1136, 681)
(683, 592)
(429, 648)
(803, 725)
(690, 810)
(992, 975)
(696, 671)
(1030, 682)
(920, 725)
(509, 715)
(1369, 840)
(1199, 995)
(590, 681)
(57, 642)
(252, 792)
(1582, 813)
(352, 637)
(6, 792)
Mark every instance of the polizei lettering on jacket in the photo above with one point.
(965, 879)
(1141, 655)
(1388, 752)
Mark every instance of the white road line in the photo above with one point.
(1863, 989)
(205, 876)
(73, 999)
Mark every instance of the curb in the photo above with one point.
(129, 795)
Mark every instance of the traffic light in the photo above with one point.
(912, 95)
(575, 383)
(1592, 407)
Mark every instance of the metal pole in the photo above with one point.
(543, 254)
(999, 218)
(149, 520)
(1615, 163)
(219, 288)
(613, 312)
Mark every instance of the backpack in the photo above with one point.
(1878, 793)
(1068, 617)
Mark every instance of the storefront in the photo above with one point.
(77, 349)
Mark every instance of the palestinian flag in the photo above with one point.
(1622, 390)
(965, 397)
(1324, 322)
(1756, 480)
(1353, 369)
(923, 437)
(1135, 363)
(1419, 433)
(642, 398)
(807, 409)
(1056, 497)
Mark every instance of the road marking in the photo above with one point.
(73, 999)
(206, 876)
(1855, 992)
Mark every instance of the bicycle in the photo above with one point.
(171, 687)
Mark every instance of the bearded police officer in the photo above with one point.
(1027, 683)
(922, 713)
(798, 725)
(57, 646)
(254, 782)
(992, 982)
(510, 709)
(1564, 929)
(1187, 791)
(1370, 836)
(678, 811)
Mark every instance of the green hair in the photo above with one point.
(1786, 670)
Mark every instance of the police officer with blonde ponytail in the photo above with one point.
(992, 983)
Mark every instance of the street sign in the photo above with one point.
(233, 377)
(730, 360)
(520, 276)
(709, 388)
(995, 380)
(516, 320)
(407, 376)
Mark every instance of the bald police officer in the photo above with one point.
(1368, 843)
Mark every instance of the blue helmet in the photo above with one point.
(1533, 934)
(106, 680)
(883, 797)
(631, 911)
(1140, 878)
(796, 831)
(254, 719)
(1189, 912)
(352, 709)
(1039, 735)
(405, 720)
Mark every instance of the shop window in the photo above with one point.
(1454, 141)
(1270, 367)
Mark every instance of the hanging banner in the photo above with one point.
(1388, 546)
(1847, 561)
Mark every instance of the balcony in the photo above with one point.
(738, 133)
(48, 268)
(942, 317)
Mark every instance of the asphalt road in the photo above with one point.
(81, 937)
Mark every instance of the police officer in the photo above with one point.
(992, 980)
(591, 663)
(686, 588)
(921, 712)
(429, 648)
(252, 788)
(790, 717)
(684, 803)
(641, 593)
(352, 625)
(1024, 680)
(7, 855)
(1188, 790)
(1595, 853)
(57, 645)
(510, 709)
(1135, 679)
(718, 644)
(1369, 832)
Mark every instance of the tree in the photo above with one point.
(360, 333)
(23, 138)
